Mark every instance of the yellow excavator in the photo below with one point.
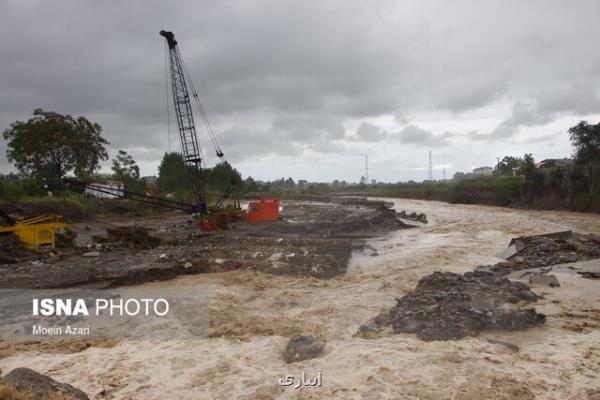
(37, 233)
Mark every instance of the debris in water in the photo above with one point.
(544, 280)
(446, 305)
(419, 217)
(554, 248)
(511, 346)
(303, 347)
(589, 274)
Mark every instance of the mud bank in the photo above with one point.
(311, 239)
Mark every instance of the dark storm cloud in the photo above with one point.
(367, 132)
(278, 78)
(412, 134)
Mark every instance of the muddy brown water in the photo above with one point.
(253, 315)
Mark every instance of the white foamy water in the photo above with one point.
(255, 314)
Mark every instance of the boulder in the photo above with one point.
(303, 347)
(41, 387)
(544, 280)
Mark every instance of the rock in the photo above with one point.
(544, 280)
(589, 274)
(510, 346)
(275, 257)
(303, 347)
(187, 265)
(418, 217)
(219, 261)
(92, 254)
(163, 257)
(42, 387)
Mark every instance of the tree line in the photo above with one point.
(50, 146)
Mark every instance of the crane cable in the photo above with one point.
(209, 128)
(167, 96)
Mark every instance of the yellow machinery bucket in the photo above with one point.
(37, 233)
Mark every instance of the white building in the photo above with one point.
(483, 171)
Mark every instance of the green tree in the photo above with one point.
(220, 176)
(458, 176)
(585, 138)
(126, 170)
(250, 185)
(173, 176)
(124, 166)
(509, 163)
(51, 145)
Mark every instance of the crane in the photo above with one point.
(185, 122)
(181, 86)
(219, 215)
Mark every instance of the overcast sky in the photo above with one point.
(307, 88)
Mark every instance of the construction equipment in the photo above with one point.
(36, 233)
(219, 215)
(264, 209)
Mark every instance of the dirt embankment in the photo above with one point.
(77, 210)
(311, 239)
(546, 250)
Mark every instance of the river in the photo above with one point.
(253, 316)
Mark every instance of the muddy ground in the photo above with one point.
(311, 239)
(254, 315)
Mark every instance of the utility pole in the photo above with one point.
(498, 167)
(444, 175)
(430, 176)
(367, 168)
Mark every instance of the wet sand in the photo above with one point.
(254, 314)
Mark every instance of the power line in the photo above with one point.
(430, 176)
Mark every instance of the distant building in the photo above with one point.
(550, 163)
(302, 182)
(483, 171)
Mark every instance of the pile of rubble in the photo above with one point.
(539, 251)
(447, 306)
(12, 250)
(133, 237)
(553, 248)
(413, 216)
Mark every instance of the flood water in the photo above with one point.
(254, 315)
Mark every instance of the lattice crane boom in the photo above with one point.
(190, 146)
